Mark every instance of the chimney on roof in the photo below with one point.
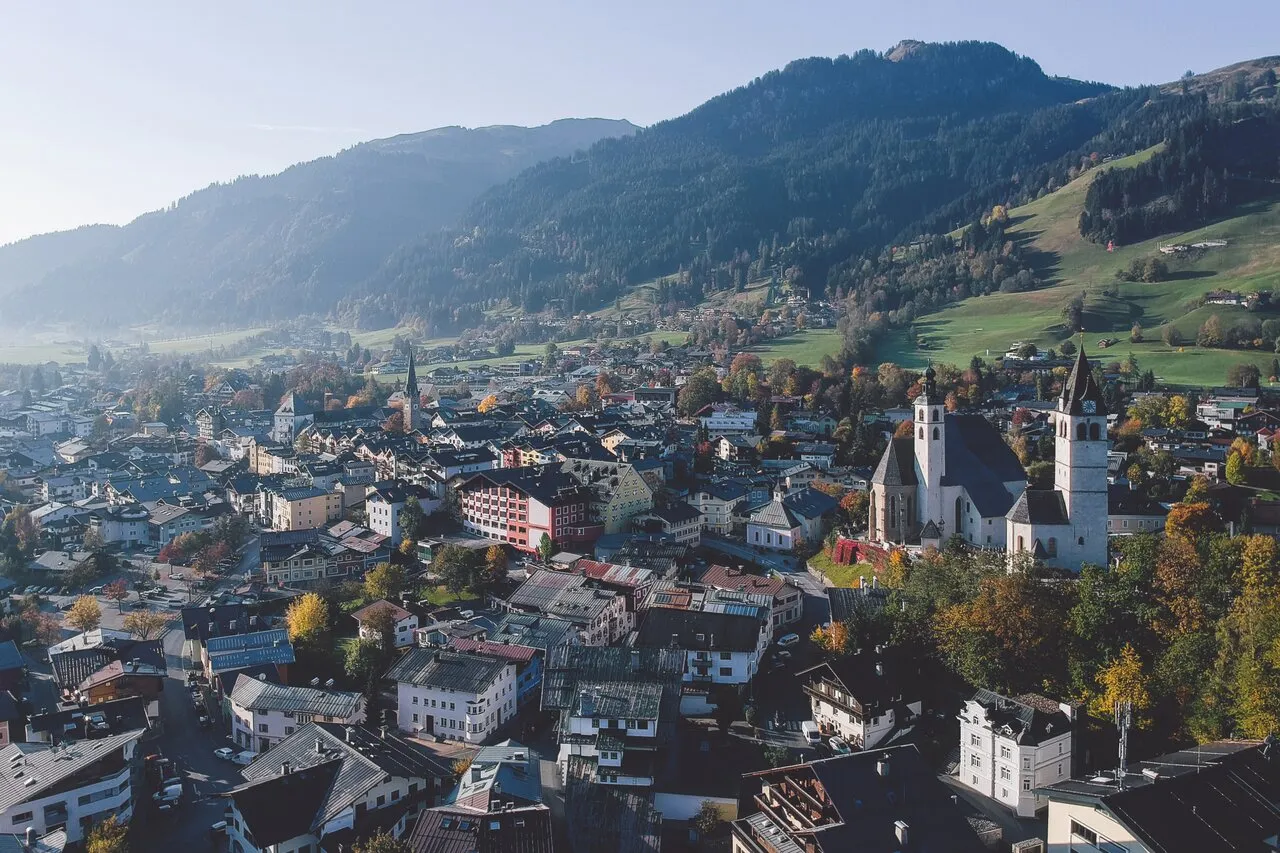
(31, 839)
(901, 830)
(882, 765)
(879, 667)
(213, 629)
(382, 732)
(284, 768)
(350, 732)
(319, 746)
(262, 676)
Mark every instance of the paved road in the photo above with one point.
(191, 749)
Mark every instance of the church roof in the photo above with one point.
(1082, 388)
(930, 531)
(1039, 506)
(978, 459)
(898, 464)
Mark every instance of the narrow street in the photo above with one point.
(190, 747)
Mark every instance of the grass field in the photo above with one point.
(987, 325)
(804, 348)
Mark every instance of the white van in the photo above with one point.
(788, 640)
(811, 732)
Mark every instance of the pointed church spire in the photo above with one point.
(1081, 394)
(411, 384)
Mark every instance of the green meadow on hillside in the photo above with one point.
(987, 325)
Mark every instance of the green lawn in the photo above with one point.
(987, 325)
(439, 596)
(838, 574)
(806, 347)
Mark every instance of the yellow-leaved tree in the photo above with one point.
(85, 614)
(1122, 680)
(308, 620)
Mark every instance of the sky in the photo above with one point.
(108, 110)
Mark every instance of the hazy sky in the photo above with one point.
(108, 110)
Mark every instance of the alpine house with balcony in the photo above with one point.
(70, 786)
(864, 697)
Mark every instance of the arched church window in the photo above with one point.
(1052, 546)
(1021, 545)
(893, 507)
(1062, 428)
(935, 415)
(921, 415)
(935, 433)
(922, 433)
(1080, 431)
(1094, 432)
(1080, 541)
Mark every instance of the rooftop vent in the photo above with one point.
(882, 766)
(901, 830)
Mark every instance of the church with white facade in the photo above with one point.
(955, 476)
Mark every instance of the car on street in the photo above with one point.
(838, 746)
(226, 753)
(204, 721)
(245, 757)
(137, 605)
(788, 640)
(177, 576)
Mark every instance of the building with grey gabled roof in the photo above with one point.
(464, 697)
(264, 712)
(44, 786)
(328, 784)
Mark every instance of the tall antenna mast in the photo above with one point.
(1124, 720)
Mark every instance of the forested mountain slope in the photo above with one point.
(267, 247)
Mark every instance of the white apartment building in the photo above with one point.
(1010, 748)
(862, 697)
(263, 713)
(729, 420)
(720, 648)
(71, 786)
(464, 697)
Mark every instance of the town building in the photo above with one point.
(883, 800)
(70, 786)
(1205, 798)
(464, 697)
(719, 648)
(1011, 748)
(264, 713)
(793, 519)
(384, 503)
(519, 506)
(327, 786)
(601, 614)
(787, 600)
(403, 623)
(302, 508)
(864, 697)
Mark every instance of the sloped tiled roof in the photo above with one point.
(262, 695)
(447, 670)
(898, 464)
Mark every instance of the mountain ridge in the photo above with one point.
(314, 228)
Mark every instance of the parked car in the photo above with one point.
(811, 732)
(788, 640)
(204, 721)
(245, 757)
(176, 576)
(838, 746)
(226, 753)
